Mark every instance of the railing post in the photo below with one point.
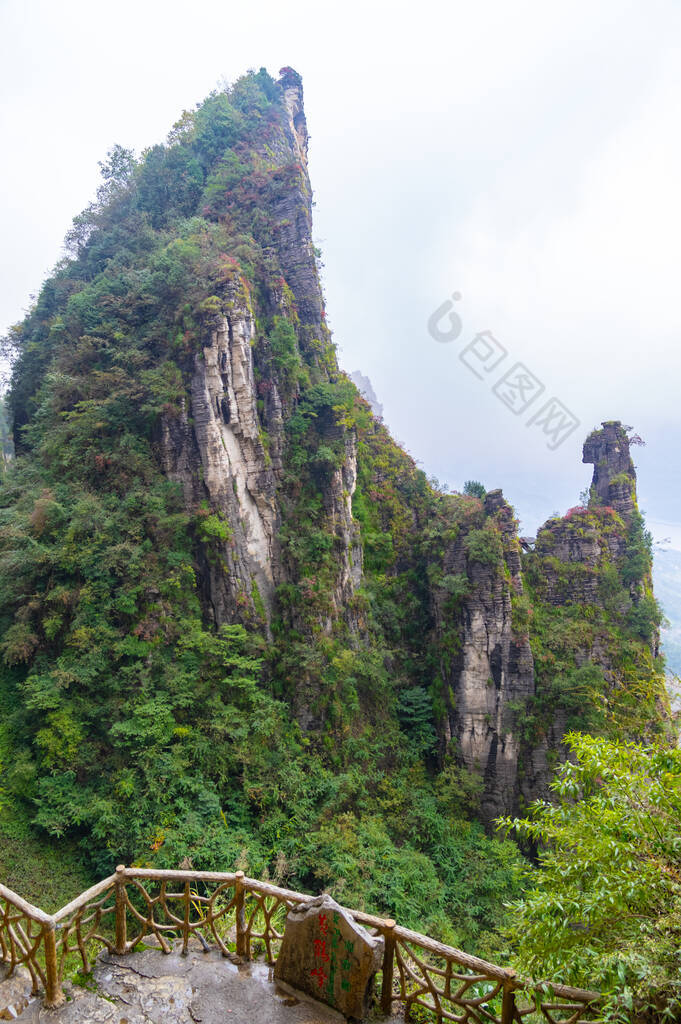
(53, 991)
(240, 915)
(508, 1004)
(388, 966)
(185, 926)
(121, 912)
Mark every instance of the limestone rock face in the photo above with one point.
(215, 448)
(327, 955)
(493, 667)
(293, 98)
(509, 600)
(219, 459)
(339, 508)
(292, 211)
(580, 544)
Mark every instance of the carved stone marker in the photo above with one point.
(327, 955)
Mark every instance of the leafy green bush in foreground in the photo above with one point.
(605, 908)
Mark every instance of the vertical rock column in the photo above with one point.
(493, 668)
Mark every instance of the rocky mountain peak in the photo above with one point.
(366, 390)
(614, 477)
(292, 86)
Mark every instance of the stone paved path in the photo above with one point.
(152, 988)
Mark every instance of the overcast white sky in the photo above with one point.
(526, 155)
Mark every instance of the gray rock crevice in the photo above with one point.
(494, 666)
(215, 452)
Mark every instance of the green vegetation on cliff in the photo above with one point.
(589, 579)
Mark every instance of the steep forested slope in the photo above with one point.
(238, 624)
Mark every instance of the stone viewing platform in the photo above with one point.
(149, 988)
(146, 946)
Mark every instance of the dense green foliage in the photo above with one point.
(605, 907)
(474, 489)
(26, 866)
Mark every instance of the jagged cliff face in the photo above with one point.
(215, 448)
(493, 669)
(595, 622)
(292, 213)
(564, 636)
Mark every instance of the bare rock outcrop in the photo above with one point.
(614, 478)
(493, 667)
(215, 451)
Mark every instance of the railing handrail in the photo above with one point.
(506, 976)
(473, 963)
(35, 913)
(84, 898)
(178, 876)
(267, 888)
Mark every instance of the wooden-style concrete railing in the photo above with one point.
(228, 909)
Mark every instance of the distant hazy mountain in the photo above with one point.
(366, 390)
(667, 580)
